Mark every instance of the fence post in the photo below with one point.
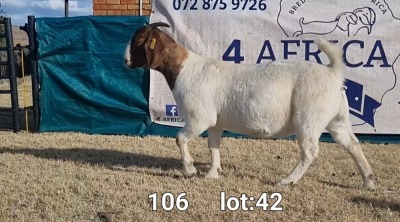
(11, 71)
(34, 75)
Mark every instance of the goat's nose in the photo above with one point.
(126, 61)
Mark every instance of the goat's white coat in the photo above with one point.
(276, 99)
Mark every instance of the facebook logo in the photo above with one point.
(171, 110)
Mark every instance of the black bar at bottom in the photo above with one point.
(5, 91)
(20, 109)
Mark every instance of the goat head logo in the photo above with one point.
(349, 22)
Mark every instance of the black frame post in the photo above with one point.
(11, 71)
(34, 75)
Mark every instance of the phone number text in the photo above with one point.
(251, 5)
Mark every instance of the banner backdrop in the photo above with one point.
(260, 31)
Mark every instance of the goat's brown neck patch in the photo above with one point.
(172, 64)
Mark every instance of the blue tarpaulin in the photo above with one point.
(85, 86)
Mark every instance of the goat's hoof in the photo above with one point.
(189, 171)
(284, 182)
(212, 175)
(369, 185)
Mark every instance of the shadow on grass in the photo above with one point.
(110, 159)
(384, 204)
(334, 184)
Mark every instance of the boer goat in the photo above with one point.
(279, 98)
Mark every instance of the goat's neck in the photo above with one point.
(172, 64)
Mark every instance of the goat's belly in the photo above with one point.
(262, 128)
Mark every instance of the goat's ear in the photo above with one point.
(154, 49)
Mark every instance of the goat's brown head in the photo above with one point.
(147, 47)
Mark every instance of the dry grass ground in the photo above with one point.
(78, 177)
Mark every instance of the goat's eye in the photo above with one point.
(139, 39)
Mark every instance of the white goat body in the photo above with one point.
(276, 99)
(266, 100)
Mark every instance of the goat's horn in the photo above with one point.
(159, 24)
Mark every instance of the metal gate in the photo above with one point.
(8, 72)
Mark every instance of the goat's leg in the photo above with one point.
(309, 152)
(342, 133)
(214, 141)
(188, 132)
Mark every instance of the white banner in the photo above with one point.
(260, 31)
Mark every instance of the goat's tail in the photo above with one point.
(334, 54)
